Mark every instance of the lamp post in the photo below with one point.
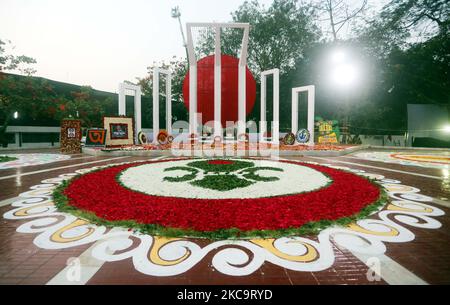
(177, 15)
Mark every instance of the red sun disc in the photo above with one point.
(205, 89)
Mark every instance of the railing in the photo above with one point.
(32, 137)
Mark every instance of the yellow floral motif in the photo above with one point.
(158, 243)
(25, 211)
(392, 231)
(392, 207)
(310, 255)
(58, 238)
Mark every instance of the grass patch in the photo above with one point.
(7, 159)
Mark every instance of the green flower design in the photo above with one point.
(221, 175)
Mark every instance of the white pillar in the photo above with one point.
(276, 107)
(242, 82)
(217, 86)
(155, 104)
(311, 91)
(137, 105)
(242, 100)
(156, 80)
(193, 119)
(137, 113)
(192, 81)
(263, 121)
(122, 107)
(311, 113)
(169, 103)
(294, 111)
(193, 99)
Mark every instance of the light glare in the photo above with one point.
(338, 56)
(344, 75)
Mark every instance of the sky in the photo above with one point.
(102, 42)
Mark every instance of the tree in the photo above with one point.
(339, 14)
(278, 35)
(36, 100)
(427, 16)
(179, 68)
(408, 42)
(27, 97)
(82, 105)
(402, 20)
(9, 62)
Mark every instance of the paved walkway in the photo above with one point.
(418, 253)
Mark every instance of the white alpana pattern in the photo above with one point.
(159, 256)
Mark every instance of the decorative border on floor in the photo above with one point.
(159, 256)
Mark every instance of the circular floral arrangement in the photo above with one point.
(163, 137)
(289, 139)
(303, 135)
(218, 198)
(142, 138)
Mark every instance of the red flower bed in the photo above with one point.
(100, 193)
(220, 162)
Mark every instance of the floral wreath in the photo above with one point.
(142, 138)
(289, 139)
(163, 137)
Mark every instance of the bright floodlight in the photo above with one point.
(16, 115)
(338, 56)
(446, 128)
(344, 75)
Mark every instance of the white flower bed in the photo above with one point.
(388, 158)
(31, 159)
(149, 179)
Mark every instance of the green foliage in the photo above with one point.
(400, 20)
(9, 62)
(179, 68)
(37, 102)
(7, 159)
(222, 182)
(83, 105)
(207, 167)
(279, 34)
(188, 177)
(224, 177)
(407, 44)
(403, 49)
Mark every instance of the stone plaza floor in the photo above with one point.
(409, 245)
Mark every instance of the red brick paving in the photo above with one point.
(428, 256)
